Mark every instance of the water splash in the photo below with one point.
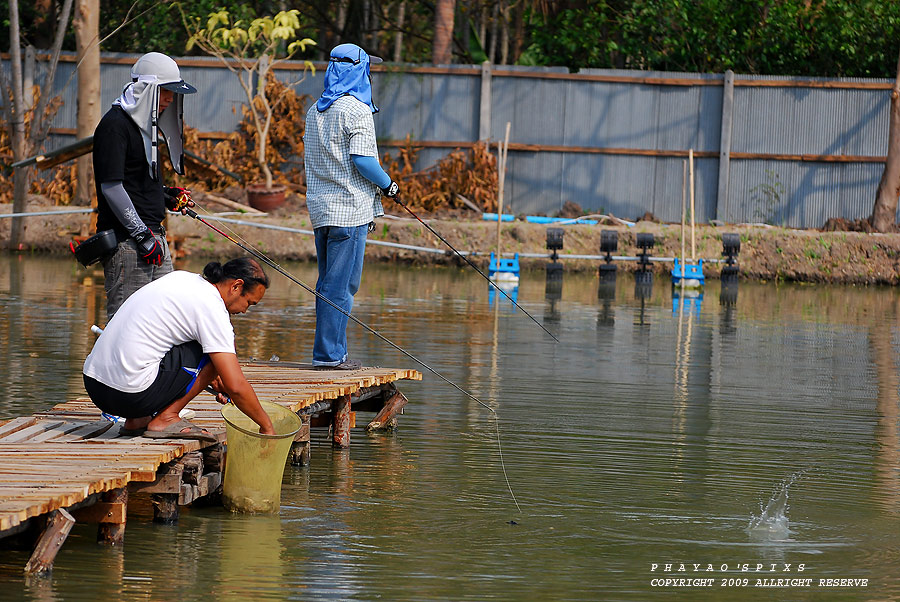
(773, 524)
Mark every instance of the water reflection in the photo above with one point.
(883, 352)
(250, 558)
(553, 292)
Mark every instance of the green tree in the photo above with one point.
(833, 38)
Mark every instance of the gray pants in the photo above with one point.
(125, 272)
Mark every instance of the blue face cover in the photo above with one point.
(348, 73)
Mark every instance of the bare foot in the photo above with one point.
(166, 423)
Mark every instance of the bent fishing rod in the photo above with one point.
(262, 257)
(474, 267)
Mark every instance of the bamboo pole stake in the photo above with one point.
(691, 162)
(502, 151)
(683, 209)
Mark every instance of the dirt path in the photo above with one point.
(767, 253)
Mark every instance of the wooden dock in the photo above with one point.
(68, 464)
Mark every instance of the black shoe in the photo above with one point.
(345, 365)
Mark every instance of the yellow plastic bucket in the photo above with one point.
(255, 463)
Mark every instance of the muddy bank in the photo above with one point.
(767, 253)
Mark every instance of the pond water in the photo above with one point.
(748, 440)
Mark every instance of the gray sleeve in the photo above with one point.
(122, 207)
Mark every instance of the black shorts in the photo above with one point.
(177, 372)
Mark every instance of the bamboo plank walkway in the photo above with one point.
(60, 457)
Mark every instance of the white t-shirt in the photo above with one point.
(175, 309)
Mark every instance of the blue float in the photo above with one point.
(692, 274)
(501, 269)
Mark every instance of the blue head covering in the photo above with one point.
(348, 73)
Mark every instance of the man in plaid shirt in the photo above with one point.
(344, 185)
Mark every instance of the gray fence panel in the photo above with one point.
(609, 184)
(427, 106)
(801, 195)
(810, 121)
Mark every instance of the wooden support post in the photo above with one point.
(214, 458)
(300, 448)
(165, 507)
(340, 425)
(168, 480)
(387, 417)
(51, 540)
(113, 533)
(193, 467)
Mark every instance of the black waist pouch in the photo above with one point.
(95, 248)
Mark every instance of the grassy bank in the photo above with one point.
(767, 253)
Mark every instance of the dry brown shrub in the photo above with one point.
(471, 174)
(59, 184)
(237, 152)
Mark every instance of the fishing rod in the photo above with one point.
(475, 267)
(265, 259)
(318, 295)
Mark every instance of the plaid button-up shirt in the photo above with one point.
(336, 193)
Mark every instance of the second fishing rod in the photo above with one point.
(265, 259)
(472, 265)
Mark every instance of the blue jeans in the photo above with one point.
(340, 257)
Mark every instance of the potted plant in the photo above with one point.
(251, 50)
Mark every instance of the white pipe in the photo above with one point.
(35, 213)
(396, 245)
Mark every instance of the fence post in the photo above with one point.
(725, 145)
(484, 116)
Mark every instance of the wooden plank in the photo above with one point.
(27, 433)
(210, 482)
(16, 424)
(58, 431)
(89, 430)
(111, 433)
(188, 494)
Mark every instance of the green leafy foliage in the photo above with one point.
(832, 38)
(826, 38)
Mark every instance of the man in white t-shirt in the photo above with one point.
(169, 341)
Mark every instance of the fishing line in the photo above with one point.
(474, 267)
(264, 258)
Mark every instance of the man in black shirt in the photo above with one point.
(131, 199)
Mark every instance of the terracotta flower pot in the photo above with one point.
(263, 199)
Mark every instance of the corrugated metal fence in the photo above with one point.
(788, 151)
